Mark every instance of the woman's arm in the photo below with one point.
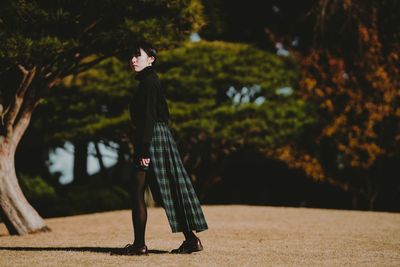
(149, 117)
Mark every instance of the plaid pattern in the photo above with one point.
(178, 196)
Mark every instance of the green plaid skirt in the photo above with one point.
(178, 196)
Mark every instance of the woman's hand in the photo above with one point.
(144, 162)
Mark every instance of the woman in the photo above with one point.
(156, 157)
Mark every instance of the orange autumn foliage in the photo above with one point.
(356, 96)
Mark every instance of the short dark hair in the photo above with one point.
(147, 47)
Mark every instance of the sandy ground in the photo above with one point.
(237, 236)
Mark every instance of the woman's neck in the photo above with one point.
(144, 72)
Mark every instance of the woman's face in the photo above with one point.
(141, 61)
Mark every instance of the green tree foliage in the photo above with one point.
(229, 94)
(201, 80)
(54, 39)
(91, 105)
(36, 189)
(222, 97)
(54, 33)
(71, 200)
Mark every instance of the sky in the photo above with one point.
(62, 160)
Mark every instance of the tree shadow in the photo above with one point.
(109, 250)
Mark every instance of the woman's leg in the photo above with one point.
(189, 235)
(139, 209)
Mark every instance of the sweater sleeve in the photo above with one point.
(149, 117)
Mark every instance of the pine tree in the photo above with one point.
(44, 41)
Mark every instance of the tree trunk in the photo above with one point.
(80, 162)
(371, 192)
(354, 201)
(121, 171)
(17, 214)
(118, 172)
(103, 169)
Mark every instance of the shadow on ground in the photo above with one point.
(112, 251)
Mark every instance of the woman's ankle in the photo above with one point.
(190, 236)
(139, 244)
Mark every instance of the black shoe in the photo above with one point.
(132, 249)
(188, 247)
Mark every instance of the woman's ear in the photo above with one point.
(151, 60)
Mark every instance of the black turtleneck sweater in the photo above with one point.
(147, 106)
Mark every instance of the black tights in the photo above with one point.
(139, 209)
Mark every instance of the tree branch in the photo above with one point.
(90, 27)
(88, 65)
(31, 100)
(12, 111)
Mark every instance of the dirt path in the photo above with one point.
(238, 236)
